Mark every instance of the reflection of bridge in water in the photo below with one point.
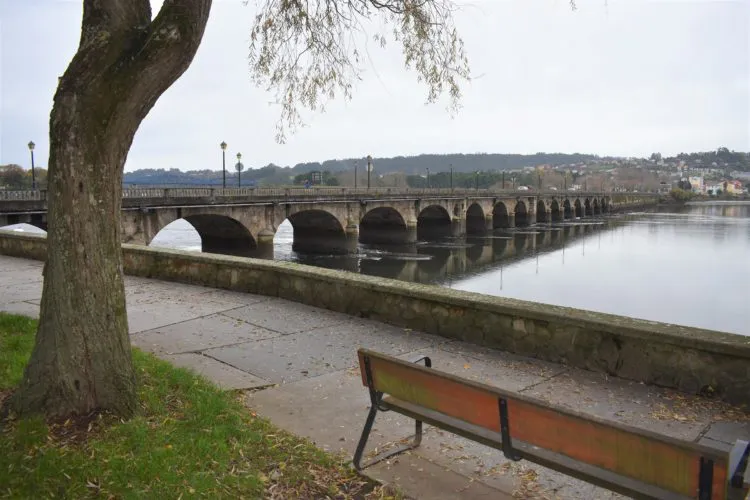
(436, 262)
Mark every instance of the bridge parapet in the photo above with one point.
(28, 201)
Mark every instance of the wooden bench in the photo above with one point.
(625, 459)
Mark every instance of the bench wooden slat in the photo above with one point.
(670, 465)
(545, 458)
(638, 454)
(473, 405)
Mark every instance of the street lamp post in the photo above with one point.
(451, 177)
(33, 173)
(476, 180)
(369, 170)
(355, 174)
(428, 177)
(223, 164)
(502, 176)
(239, 168)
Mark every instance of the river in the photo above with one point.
(688, 266)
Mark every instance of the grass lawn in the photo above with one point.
(189, 440)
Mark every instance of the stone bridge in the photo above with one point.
(331, 220)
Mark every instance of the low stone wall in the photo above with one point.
(689, 359)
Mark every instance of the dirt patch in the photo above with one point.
(76, 430)
(328, 483)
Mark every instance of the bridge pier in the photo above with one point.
(531, 218)
(511, 220)
(458, 227)
(264, 249)
(411, 231)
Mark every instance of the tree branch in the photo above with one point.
(126, 61)
(166, 50)
(113, 17)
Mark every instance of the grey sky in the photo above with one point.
(623, 77)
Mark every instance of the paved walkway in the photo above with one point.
(297, 366)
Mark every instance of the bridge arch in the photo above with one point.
(588, 209)
(383, 225)
(500, 216)
(319, 231)
(522, 214)
(596, 208)
(604, 205)
(567, 209)
(555, 213)
(218, 234)
(433, 221)
(578, 208)
(541, 211)
(475, 220)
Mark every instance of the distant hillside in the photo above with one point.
(274, 175)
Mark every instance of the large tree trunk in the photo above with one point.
(81, 360)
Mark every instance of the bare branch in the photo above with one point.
(307, 51)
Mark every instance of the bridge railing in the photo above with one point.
(27, 195)
(250, 193)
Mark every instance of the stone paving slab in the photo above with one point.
(199, 334)
(224, 376)
(330, 410)
(727, 432)
(142, 317)
(139, 290)
(317, 351)
(226, 296)
(287, 317)
(19, 266)
(17, 292)
(22, 308)
(499, 369)
(418, 477)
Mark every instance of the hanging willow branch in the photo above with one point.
(306, 51)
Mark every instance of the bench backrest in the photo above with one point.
(641, 455)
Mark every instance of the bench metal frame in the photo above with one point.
(736, 464)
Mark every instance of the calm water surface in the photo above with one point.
(689, 267)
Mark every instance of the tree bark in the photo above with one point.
(81, 359)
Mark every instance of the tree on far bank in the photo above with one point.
(124, 62)
(13, 176)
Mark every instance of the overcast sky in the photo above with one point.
(623, 77)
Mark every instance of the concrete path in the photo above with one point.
(297, 366)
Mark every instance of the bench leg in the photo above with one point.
(414, 442)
